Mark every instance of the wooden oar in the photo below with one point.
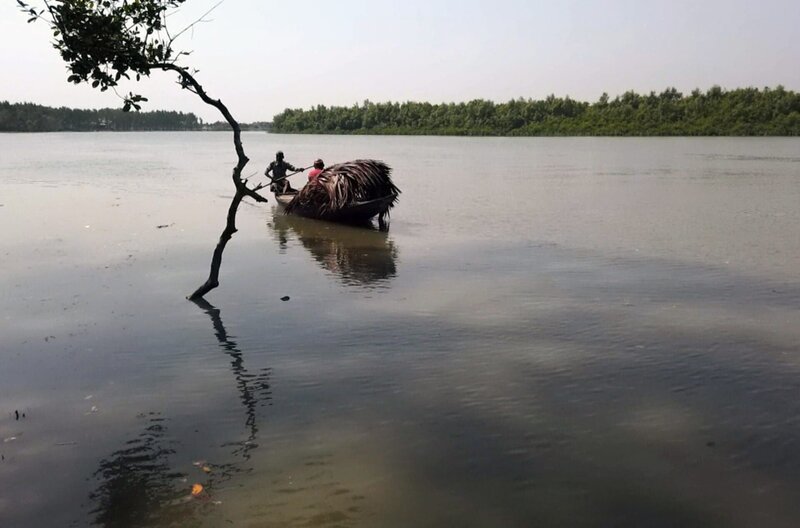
(272, 180)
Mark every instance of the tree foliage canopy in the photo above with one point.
(103, 41)
(746, 111)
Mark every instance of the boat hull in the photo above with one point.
(357, 212)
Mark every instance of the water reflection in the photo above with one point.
(357, 255)
(254, 388)
(138, 484)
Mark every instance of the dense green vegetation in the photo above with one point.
(28, 117)
(716, 112)
(224, 126)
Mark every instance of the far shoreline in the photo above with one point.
(424, 134)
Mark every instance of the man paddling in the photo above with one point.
(278, 168)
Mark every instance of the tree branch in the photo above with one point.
(189, 79)
(242, 190)
(216, 259)
(101, 42)
(190, 26)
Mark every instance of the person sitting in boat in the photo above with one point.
(278, 168)
(318, 166)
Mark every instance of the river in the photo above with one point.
(553, 332)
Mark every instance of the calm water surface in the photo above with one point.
(554, 332)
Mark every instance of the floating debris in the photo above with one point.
(197, 489)
(285, 298)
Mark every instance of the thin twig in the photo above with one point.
(190, 26)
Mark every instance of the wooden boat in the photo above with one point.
(355, 212)
(351, 192)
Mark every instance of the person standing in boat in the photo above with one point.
(278, 168)
(313, 173)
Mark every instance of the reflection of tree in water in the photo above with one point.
(137, 484)
(254, 389)
(358, 255)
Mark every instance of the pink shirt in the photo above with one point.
(313, 174)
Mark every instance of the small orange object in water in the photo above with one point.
(197, 489)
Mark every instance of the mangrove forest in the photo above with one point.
(29, 117)
(715, 112)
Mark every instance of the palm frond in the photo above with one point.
(346, 184)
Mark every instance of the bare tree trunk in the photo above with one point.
(216, 259)
(188, 82)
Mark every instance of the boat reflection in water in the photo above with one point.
(357, 255)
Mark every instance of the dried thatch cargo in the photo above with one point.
(355, 191)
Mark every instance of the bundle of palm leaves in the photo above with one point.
(346, 184)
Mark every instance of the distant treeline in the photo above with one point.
(716, 112)
(28, 117)
(224, 126)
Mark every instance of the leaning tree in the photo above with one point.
(104, 41)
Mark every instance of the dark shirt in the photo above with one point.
(279, 169)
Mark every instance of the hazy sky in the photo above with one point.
(262, 56)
